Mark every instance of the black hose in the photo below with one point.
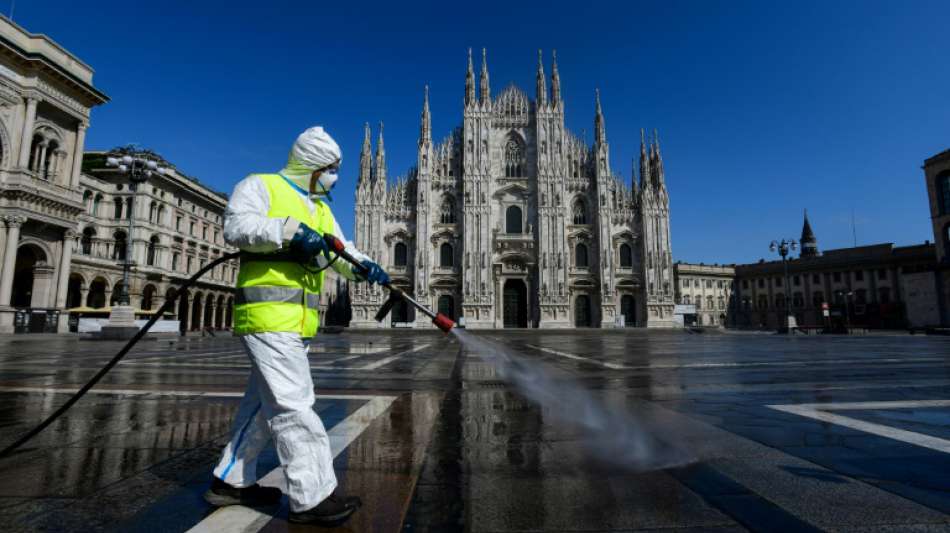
(128, 346)
(115, 360)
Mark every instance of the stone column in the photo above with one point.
(7, 313)
(77, 153)
(42, 283)
(62, 286)
(9, 257)
(84, 296)
(214, 305)
(26, 138)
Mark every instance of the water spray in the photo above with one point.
(396, 295)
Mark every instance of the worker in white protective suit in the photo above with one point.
(280, 219)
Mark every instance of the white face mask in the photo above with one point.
(326, 181)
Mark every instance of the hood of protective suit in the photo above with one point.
(314, 149)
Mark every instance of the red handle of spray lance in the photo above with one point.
(440, 321)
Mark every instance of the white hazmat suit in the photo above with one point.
(279, 398)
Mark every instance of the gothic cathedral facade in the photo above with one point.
(513, 221)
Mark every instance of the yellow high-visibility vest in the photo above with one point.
(282, 295)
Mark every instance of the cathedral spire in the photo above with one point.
(660, 174)
(808, 241)
(555, 82)
(483, 89)
(645, 178)
(425, 128)
(470, 81)
(366, 161)
(380, 170)
(542, 89)
(600, 131)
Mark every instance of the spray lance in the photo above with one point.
(396, 295)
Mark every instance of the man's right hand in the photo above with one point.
(307, 244)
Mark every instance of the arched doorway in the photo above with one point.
(628, 308)
(74, 291)
(219, 313)
(400, 312)
(447, 306)
(148, 297)
(515, 304)
(27, 258)
(582, 311)
(209, 312)
(97, 294)
(196, 312)
(183, 311)
(229, 313)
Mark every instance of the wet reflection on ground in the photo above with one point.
(459, 448)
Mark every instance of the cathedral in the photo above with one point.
(514, 221)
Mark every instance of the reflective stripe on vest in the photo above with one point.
(277, 294)
(263, 293)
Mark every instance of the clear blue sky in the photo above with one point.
(763, 109)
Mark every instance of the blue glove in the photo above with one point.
(307, 244)
(375, 273)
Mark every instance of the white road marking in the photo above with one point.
(736, 364)
(374, 365)
(820, 411)
(245, 519)
(612, 366)
(141, 392)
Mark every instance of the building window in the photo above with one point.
(216, 236)
(696, 283)
(176, 257)
(837, 277)
(719, 284)
(777, 282)
(128, 207)
(514, 158)
(943, 193)
(513, 220)
(150, 256)
(152, 212)
(447, 306)
(400, 255)
(191, 228)
(761, 283)
(859, 275)
(580, 211)
(745, 284)
(119, 251)
(722, 303)
(798, 300)
(86, 242)
(816, 278)
(699, 302)
(446, 257)
(118, 208)
(860, 296)
(204, 233)
(580, 255)
(708, 283)
(626, 256)
(780, 301)
(178, 223)
(881, 274)
(797, 280)
(447, 212)
(817, 299)
(709, 302)
(191, 262)
(763, 302)
(884, 295)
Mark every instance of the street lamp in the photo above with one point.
(783, 247)
(139, 168)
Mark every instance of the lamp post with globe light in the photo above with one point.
(783, 247)
(139, 167)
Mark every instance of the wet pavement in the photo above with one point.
(758, 432)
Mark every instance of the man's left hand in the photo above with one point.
(373, 274)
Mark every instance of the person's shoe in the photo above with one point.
(221, 494)
(331, 512)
